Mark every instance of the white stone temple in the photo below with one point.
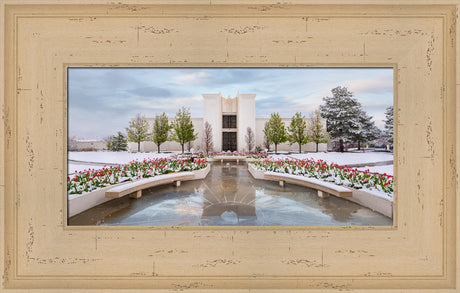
(229, 118)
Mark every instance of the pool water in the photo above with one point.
(230, 196)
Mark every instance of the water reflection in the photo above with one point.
(230, 196)
(228, 190)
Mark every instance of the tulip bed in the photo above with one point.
(92, 179)
(251, 155)
(340, 175)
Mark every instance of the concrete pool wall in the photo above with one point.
(374, 202)
(91, 199)
(230, 196)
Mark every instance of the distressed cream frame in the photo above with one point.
(41, 38)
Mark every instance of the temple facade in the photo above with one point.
(230, 119)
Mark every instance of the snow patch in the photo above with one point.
(107, 157)
(380, 169)
(345, 158)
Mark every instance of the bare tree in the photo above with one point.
(207, 137)
(189, 146)
(72, 143)
(250, 139)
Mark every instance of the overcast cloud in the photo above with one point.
(101, 101)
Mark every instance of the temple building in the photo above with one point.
(230, 119)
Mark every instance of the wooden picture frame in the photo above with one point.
(39, 251)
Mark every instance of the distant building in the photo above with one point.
(229, 118)
(86, 145)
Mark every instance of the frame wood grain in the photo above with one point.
(39, 251)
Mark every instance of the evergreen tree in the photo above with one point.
(317, 131)
(183, 127)
(342, 112)
(297, 131)
(117, 143)
(275, 130)
(161, 129)
(388, 131)
(138, 130)
(120, 142)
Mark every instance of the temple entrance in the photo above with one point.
(229, 141)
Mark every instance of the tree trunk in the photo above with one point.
(138, 146)
(276, 149)
(182, 147)
(158, 148)
(317, 147)
(341, 145)
(359, 145)
(300, 148)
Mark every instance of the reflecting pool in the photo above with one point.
(230, 196)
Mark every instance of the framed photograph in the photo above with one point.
(78, 79)
(190, 157)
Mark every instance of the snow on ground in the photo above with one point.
(97, 160)
(345, 158)
(380, 169)
(113, 157)
(75, 168)
(348, 159)
(329, 157)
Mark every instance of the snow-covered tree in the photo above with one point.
(72, 142)
(316, 129)
(388, 131)
(161, 129)
(184, 131)
(297, 131)
(275, 130)
(207, 137)
(342, 114)
(250, 138)
(138, 130)
(367, 129)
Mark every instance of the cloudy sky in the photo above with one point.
(101, 101)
